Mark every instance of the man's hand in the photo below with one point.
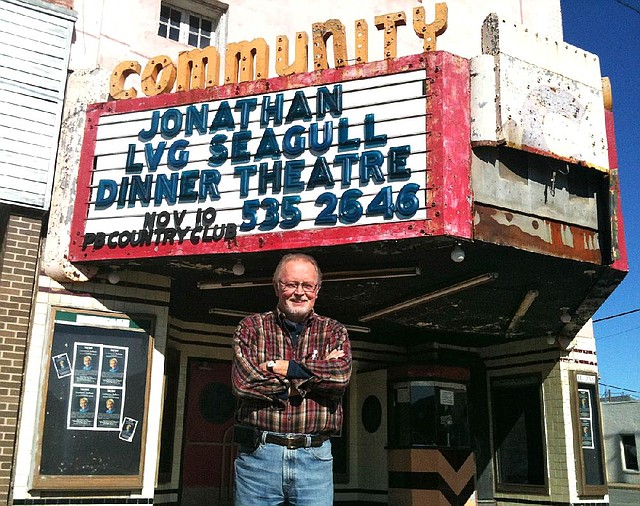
(337, 353)
(281, 367)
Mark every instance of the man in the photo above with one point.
(84, 405)
(87, 363)
(290, 370)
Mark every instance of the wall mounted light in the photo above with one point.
(238, 268)
(457, 254)
(565, 317)
(113, 277)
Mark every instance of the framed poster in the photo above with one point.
(588, 439)
(95, 401)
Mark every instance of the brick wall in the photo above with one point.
(20, 236)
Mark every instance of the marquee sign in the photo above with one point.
(320, 158)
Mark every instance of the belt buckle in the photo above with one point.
(291, 441)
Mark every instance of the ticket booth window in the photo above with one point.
(428, 413)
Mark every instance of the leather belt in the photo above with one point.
(294, 441)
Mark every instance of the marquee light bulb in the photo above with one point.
(457, 255)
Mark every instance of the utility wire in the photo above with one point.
(619, 314)
(628, 6)
(619, 388)
(601, 338)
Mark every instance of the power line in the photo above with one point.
(616, 315)
(628, 6)
(601, 338)
(619, 388)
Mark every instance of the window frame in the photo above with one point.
(101, 327)
(209, 10)
(529, 379)
(623, 453)
(582, 380)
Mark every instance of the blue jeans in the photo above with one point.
(273, 474)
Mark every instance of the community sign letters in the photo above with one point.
(256, 165)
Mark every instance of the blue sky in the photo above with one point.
(611, 29)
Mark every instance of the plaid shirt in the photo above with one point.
(262, 395)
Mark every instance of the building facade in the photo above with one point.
(451, 166)
(620, 415)
(34, 54)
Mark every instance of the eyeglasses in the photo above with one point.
(292, 286)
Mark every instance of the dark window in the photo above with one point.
(169, 25)
(629, 452)
(186, 27)
(167, 441)
(428, 413)
(518, 435)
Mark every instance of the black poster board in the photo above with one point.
(96, 393)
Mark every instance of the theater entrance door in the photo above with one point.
(208, 449)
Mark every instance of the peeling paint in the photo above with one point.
(84, 87)
(536, 235)
(548, 99)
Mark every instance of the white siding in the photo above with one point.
(35, 41)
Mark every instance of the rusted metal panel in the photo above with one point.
(551, 113)
(537, 186)
(538, 235)
(547, 96)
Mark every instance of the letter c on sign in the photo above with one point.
(118, 78)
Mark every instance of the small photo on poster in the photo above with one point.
(62, 365)
(86, 364)
(82, 407)
(109, 408)
(128, 429)
(114, 363)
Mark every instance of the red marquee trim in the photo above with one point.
(449, 198)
